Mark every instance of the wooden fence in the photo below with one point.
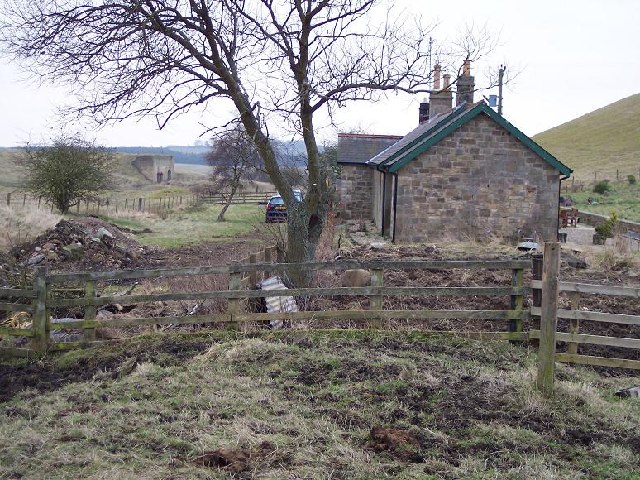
(546, 288)
(239, 198)
(39, 300)
(241, 277)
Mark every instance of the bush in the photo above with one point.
(68, 171)
(602, 187)
(608, 227)
(631, 179)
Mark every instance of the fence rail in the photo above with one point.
(545, 294)
(242, 277)
(238, 198)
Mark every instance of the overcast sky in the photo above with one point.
(574, 56)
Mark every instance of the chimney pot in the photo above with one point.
(447, 81)
(465, 85)
(436, 77)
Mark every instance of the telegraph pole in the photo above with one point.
(500, 77)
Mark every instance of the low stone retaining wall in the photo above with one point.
(595, 219)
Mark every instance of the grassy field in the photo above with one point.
(600, 143)
(180, 225)
(196, 225)
(623, 198)
(343, 405)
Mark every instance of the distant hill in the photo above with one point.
(181, 154)
(600, 143)
(291, 153)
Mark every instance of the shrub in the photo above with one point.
(608, 227)
(631, 179)
(602, 187)
(68, 171)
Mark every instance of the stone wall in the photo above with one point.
(477, 182)
(595, 220)
(155, 168)
(355, 188)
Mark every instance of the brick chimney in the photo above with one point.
(440, 100)
(466, 85)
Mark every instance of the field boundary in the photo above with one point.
(243, 277)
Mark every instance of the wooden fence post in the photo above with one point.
(574, 323)
(268, 258)
(139, 204)
(90, 312)
(517, 301)
(235, 279)
(253, 276)
(8, 199)
(548, 318)
(376, 301)
(40, 322)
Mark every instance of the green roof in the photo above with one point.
(430, 133)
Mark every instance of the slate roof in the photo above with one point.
(429, 133)
(356, 149)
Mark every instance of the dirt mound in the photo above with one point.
(81, 244)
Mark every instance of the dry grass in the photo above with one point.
(19, 225)
(303, 405)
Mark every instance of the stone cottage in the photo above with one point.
(464, 171)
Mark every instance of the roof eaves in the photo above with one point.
(533, 146)
(481, 107)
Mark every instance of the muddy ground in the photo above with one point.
(122, 251)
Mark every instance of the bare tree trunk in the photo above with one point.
(223, 211)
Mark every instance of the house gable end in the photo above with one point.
(433, 136)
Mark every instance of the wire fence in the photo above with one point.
(104, 205)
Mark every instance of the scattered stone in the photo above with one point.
(73, 251)
(357, 277)
(378, 245)
(37, 249)
(629, 392)
(36, 259)
(574, 261)
(103, 233)
(103, 314)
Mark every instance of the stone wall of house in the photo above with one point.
(377, 199)
(355, 188)
(477, 182)
(155, 168)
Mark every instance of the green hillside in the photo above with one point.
(602, 144)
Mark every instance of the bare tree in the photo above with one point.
(279, 62)
(234, 158)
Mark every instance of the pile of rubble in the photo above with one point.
(81, 244)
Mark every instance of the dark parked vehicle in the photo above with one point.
(276, 209)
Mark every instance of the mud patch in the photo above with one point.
(233, 460)
(401, 444)
(47, 376)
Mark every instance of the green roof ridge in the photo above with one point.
(467, 116)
